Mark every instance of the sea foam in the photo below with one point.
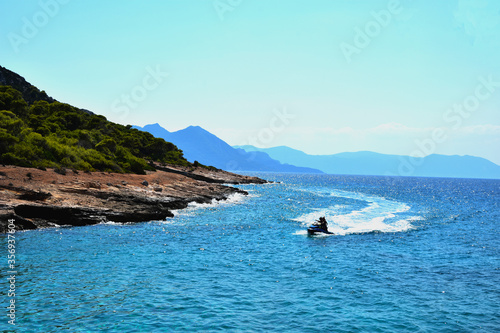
(235, 198)
(379, 215)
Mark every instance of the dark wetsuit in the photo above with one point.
(323, 224)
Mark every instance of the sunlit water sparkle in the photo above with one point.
(408, 255)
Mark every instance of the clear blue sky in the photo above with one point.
(398, 77)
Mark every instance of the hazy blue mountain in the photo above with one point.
(206, 148)
(155, 129)
(370, 163)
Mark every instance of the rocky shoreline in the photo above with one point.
(36, 198)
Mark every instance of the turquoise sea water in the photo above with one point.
(408, 255)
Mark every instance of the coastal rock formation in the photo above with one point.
(36, 198)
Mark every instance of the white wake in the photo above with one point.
(379, 215)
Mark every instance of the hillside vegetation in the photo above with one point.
(44, 134)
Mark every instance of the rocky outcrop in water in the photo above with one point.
(35, 198)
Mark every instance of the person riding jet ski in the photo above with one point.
(322, 223)
(320, 226)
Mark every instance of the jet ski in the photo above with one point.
(319, 227)
(316, 229)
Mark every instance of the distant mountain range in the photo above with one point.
(370, 163)
(206, 148)
(200, 145)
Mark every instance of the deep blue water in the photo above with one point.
(409, 255)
